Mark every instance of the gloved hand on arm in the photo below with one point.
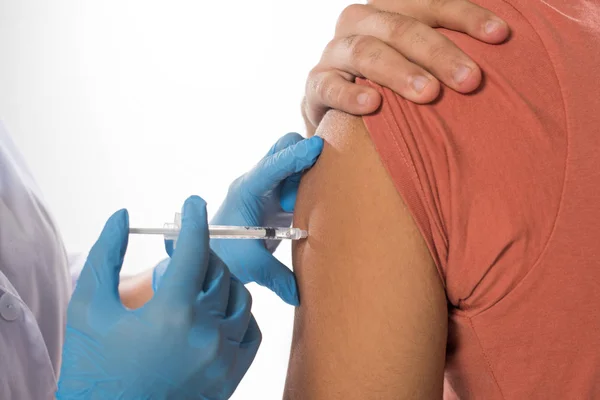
(194, 339)
(265, 196)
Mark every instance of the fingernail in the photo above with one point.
(363, 99)
(461, 73)
(492, 26)
(419, 83)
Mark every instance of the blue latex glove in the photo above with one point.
(194, 339)
(265, 196)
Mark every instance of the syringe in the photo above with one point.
(171, 232)
(231, 232)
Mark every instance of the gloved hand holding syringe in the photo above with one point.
(171, 231)
(257, 205)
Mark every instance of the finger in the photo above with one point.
(284, 142)
(272, 170)
(158, 272)
(238, 311)
(371, 58)
(187, 270)
(245, 354)
(169, 247)
(100, 275)
(214, 297)
(458, 15)
(289, 188)
(422, 45)
(289, 192)
(274, 275)
(329, 89)
(247, 350)
(463, 16)
(253, 335)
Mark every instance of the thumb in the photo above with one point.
(284, 142)
(268, 271)
(100, 275)
(272, 170)
(289, 192)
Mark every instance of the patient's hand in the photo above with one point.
(393, 43)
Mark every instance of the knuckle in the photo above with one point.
(418, 40)
(385, 17)
(212, 343)
(374, 55)
(348, 42)
(245, 299)
(401, 26)
(259, 337)
(349, 15)
(237, 186)
(359, 46)
(233, 186)
(226, 389)
(328, 53)
(325, 89)
(312, 83)
(177, 316)
(437, 53)
(432, 11)
(437, 4)
(366, 54)
(370, 62)
(398, 7)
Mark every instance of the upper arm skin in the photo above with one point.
(372, 323)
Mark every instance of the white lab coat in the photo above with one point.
(35, 284)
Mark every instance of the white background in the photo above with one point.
(139, 104)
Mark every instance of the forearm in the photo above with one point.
(136, 290)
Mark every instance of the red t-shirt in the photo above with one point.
(504, 185)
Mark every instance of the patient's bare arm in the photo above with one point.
(373, 317)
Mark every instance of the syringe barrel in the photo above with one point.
(238, 232)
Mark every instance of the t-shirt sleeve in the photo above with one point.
(481, 174)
